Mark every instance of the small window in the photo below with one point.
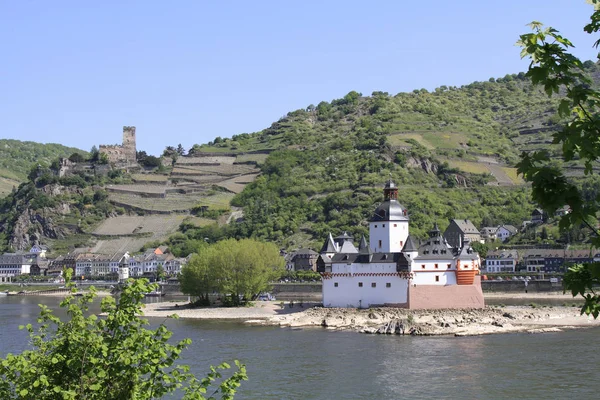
(395, 225)
(449, 265)
(373, 284)
(335, 284)
(375, 226)
(437, 278)
(423, 266)
(401, 243)
(436, 266)
(383, 225)
(359, 284)
(380, 244)
(388, 285)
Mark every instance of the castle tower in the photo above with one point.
(388, 228)
(129, 149)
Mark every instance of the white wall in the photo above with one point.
(392, 234)
(426, 276)
(25, 268)
(349, 294)
(123, 273)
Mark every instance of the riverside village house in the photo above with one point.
(394, 269)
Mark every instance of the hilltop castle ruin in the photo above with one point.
(125, 153)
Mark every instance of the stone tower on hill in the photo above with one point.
(125, 153)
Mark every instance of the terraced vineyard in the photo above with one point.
(197, 179)
(169, 199)
(170, 203)
(149, 178)
(127, 225)
(140, 189)
(121, 245)
(206, 160)
(257, 158)
(223, 169)
(237, 184)
(145, 228)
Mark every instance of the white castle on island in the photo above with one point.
(395, 270)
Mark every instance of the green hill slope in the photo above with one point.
(451, 151)
(17, 158)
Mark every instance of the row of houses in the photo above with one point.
(537, 260)
(85, 265)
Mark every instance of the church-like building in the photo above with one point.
(396, 270)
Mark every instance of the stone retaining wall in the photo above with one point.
(519, 286)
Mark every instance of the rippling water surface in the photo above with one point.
(320, 364)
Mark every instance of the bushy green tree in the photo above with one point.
(151, 162)
(196, 278)
(241, 268)
(558, 71)
(112, 357)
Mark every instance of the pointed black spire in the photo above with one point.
(363, 243)
(435, 232)
(410, 245)
(329, 245)
(390, 192)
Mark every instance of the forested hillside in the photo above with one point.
(17, 158)
(451, 151)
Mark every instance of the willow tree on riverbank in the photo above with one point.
(108, 358)
(561, 73)
(240, 269)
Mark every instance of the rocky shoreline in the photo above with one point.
(485, 321)
(489, 320)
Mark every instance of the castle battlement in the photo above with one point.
(125, 153)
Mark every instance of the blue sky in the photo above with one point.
(75, 72)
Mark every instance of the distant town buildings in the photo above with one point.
(501, 261)
(461, 230)
(90, 265)
(304, 260)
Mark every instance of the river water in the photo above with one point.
(319, 364)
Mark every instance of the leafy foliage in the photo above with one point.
(558, 71)
(241, 268)
(17, 157)
(114, 357)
